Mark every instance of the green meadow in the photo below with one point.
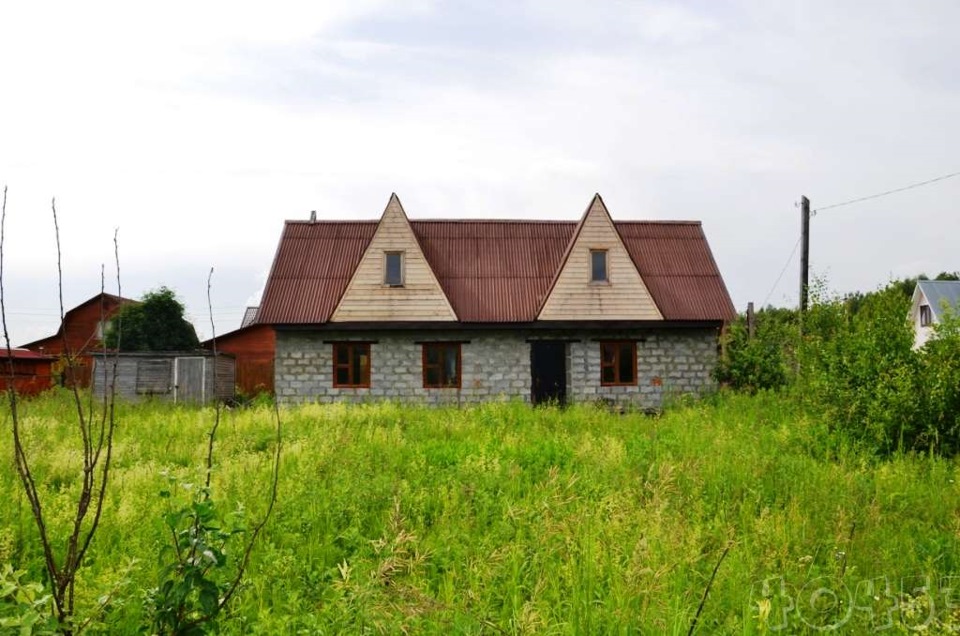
(503, 519)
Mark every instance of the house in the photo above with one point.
(178, 377)
(253, 346)
(80, 333)
(931, 300)
(28, 372)
(458, 311)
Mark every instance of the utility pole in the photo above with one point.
(751, 321)
(804, 251)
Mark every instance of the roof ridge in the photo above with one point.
(497, 220)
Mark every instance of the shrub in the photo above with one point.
(761, 362)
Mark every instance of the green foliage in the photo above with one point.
(156, 323)
(195, 576)
(860, 370)
(939, 376)
(761, 362)
(502, 518)
(24, 608)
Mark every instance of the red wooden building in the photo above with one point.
(31, 371)
(80, 333)
(254, 348)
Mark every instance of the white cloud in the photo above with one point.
(196, 129)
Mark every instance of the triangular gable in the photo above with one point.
(367, 298)
(573, 297)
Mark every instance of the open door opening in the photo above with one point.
(548, 369)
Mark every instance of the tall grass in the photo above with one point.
(507, 519)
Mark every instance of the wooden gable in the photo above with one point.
(368, 298)
(574, 297)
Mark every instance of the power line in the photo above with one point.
(782, 272)
(888, 192)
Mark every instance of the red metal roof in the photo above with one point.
(491, 271)
(311, 270)
(21, 354)
(494, 271)
(676, 264)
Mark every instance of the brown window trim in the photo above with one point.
(424, 366)
(616, 362)
(403, 276)
(363, 382)
(606, 266)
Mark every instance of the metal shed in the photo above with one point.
(179, 377)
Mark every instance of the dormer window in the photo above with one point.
(393, 269)
(598, 266)
(926, 316)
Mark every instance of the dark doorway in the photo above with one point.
(548, 368)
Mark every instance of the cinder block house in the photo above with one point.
(459, 311)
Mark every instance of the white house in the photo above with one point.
(931, 299)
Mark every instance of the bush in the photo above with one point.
(860, 370)
(761, 362)
(939, 372)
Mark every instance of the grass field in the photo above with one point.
(505, 519)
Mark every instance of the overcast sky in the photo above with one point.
(196, 128)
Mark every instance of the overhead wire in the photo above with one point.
(782, 272)
(887, 192)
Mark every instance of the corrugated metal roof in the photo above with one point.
(940, 293)
(494, 271)
(21, 354)
(675, 261)
(491, 271)
(249, 315)
(311, 270)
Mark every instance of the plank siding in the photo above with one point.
(146, 376)
(574, 297)
(77, 337)
(368, 299)
(253, 349)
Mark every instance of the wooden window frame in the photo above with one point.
(619, 344)
(926, 316)
(386, 256)
(441, 366)
(606, 266)
(363, 382)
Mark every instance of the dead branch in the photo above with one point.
(93, 487)
(706, 590)
(20, 456)
(258, 528)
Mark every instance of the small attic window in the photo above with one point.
(393, 269)
(926, 316)
(598, 266)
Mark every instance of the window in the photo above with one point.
(351, 365)
(618, 363)
(103, 326)
(926, 316)
(393, 269)
(441, 365)
(598, 266)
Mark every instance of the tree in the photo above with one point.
(156, 323)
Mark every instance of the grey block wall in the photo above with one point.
(495, 365)
(669, 363)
